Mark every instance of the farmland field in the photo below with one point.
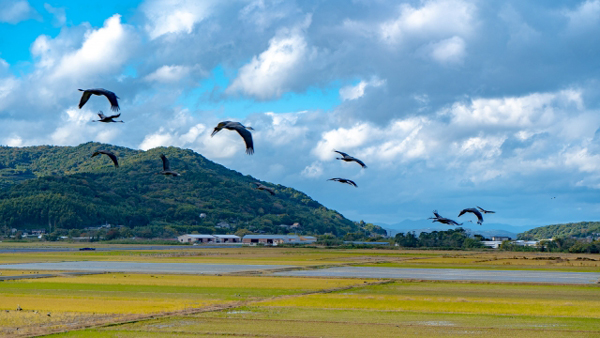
(162, 305)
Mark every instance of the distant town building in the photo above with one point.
(492, 244)
(191, 238)
(277, 239)
(501, 238)
(228, 239)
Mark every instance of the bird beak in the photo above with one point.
(214, 131)
(249, 128)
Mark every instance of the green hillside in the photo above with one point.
(581, 230)
(63, 187)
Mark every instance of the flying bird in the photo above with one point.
(485, 211)
(343, 180)
(241, 129)
(166, 167)
(260, 186)
(112, 97)
(473, 211)
(443, 220)
(104, 118)
(109, 154)
(347, 158)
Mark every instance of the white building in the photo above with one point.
(209, 239)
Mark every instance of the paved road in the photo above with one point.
(554, 277)
(178, 268)
(529, 276)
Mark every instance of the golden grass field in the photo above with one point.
(153, 305)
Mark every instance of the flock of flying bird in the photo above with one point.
(246, 135)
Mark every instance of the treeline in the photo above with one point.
(559, 244)
(449, 239)
(63, 188)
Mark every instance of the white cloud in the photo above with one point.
(166, 73)
(60, 18)
(272, 73)
(585, 16)
(315, 170)
(449, 51)
(435, 19)
(174, 16)
(102, 51)
(357, 91)
(535, 110)
(15, 11)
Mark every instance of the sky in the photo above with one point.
(450, 103)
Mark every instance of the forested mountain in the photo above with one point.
(580, 230)
(63, 187)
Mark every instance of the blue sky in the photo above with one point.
(451, 103)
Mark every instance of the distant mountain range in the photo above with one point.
(486, 230)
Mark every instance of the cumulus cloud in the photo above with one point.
(315, 170)
(272, 73)
(15, 11)
(585, 16)
(354, 92)
(171, 73)
(60, 17)
(435, 19)
(174, 16)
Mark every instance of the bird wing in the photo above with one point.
(247, 136)
(101, 115)
(95, 154)
(436, 214)
(84, 98)
(362, 164)
(114, 116)
(478, 214)
(341, 153)
(112, 98)
(166, 166)
(112, 157)
(351, 183)
(271, 191)
(462, 212)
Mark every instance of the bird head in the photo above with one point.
(218, 128)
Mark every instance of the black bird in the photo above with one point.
(343, 180)
(485, 211)
(260, 186)
(166, 167)
(241, 129)
(347, 158)
(443, 220)
(112, 97)
(104, 118)
(109, 154)
(473, 211)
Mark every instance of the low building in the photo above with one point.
(526, 243)
(501, 238)
(492, 244)
(197, 239)
(277, 239)
(228, 239)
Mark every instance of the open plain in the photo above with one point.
(263, 299)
